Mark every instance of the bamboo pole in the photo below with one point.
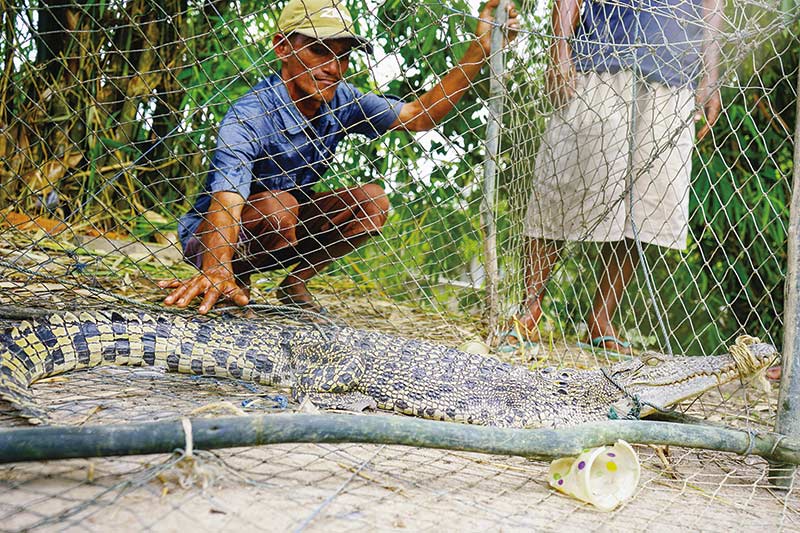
(60, 442)
(788, 419)
(493, 128)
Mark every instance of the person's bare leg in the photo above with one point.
(541, 257)
(618, 264)
(269, 224)
(293, 290)
(342, 221)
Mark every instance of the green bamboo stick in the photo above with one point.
(65, 442)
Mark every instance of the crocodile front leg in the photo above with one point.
(329, 378)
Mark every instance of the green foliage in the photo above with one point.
(148, 82)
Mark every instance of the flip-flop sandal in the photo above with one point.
(507, 347)
(597, 345)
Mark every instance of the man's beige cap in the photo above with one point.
(320, 19)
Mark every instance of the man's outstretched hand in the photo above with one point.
(213, 284)
(709, 104)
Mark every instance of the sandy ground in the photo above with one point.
(347, 487)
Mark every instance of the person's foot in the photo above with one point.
(521, 334)
(293, 292)
(517, 329)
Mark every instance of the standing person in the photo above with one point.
(258, 211)
(627, 78)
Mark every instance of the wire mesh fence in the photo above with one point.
(639, 192)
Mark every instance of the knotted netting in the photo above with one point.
(110, 121)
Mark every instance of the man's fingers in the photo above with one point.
(193, 289)
(210, 287)
(709, 104)
(175, 294)
(239, 297)
(211, 297)
(513, 23)
(711, 115)
(170, 283)
(180, 291)
(236, 294)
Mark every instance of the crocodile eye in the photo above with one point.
(653, 360)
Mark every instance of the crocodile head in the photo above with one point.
(660, 381)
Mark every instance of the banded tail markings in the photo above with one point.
(30, 346)
(53, 355)
(63, 331)
(120, 349)
(244, 367)
(136, 326)
(167, 345)
(185, 347)
(208, 363)
(18, 370)
(248, 368)
(225, 363)
(92, 335)
(149, 340)
(108, 339)
(11, 367)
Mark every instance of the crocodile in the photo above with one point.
(345, 368)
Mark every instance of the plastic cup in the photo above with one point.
(604, 476)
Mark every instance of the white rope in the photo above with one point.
(187, 432)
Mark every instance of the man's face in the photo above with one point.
(312, 68)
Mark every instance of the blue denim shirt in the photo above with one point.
(265, 143)
(663, 39)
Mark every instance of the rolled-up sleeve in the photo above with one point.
(237, 147)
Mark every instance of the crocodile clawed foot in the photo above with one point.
(345, 401)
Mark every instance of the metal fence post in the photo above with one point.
(788, 419)
(493, 128)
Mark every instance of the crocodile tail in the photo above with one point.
(63, 342)
(24, 358)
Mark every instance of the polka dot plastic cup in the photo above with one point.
(604, 476)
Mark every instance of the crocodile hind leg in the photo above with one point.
(328, 377)
(341, 401)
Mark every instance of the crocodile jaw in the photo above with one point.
(660, 381)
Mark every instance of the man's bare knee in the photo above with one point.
(374, 202)
(272, 212)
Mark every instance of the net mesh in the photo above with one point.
(113, 124)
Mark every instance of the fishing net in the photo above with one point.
(110, 121)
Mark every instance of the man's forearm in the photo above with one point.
(434, 105)
(711, 40)
(430, 109)
(219, 231)
(566, 14)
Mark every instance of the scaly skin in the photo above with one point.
(353, 369)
